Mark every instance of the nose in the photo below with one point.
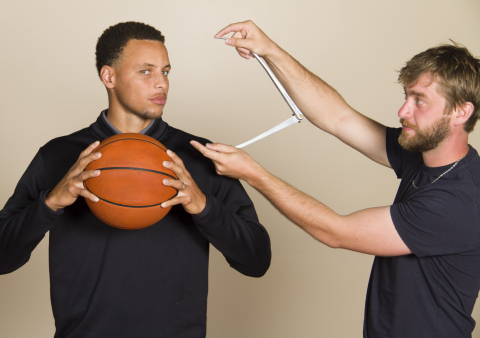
(405, 111)
(161, 82)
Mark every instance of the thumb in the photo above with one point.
(240, 43)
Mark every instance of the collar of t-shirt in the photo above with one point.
(426, 175)
(104, 117)
(436, 171)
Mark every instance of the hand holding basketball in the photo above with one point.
(71, 186)
(189, 194)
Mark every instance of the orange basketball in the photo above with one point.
(130, 185)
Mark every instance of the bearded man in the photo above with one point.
(426, 274)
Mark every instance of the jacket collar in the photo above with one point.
(103, 129)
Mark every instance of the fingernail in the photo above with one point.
(166, 163)
(192, 142)
(98, 155)
(165, 181)
(97, 172)
(163, 205)
(95, 199)
(209, 145)
(228, 41)
(169, 152)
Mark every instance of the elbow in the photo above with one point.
(260, 267)
(262, 260)
(258, 272)
(331, 233)
(330, 239)
(256, 267)
(333, 243)
(10, 263)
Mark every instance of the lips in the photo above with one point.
(160, 100)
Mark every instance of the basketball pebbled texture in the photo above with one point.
(130, 185)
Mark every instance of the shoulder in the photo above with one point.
(179, 141)
(76, 139)
(61, 152)
(179, 137)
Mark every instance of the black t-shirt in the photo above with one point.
(431, 292)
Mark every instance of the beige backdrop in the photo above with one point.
(49, 88)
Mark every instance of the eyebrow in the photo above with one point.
(414, 93)
(150, 65)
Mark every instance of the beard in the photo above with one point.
(425, 139)
(148, 115)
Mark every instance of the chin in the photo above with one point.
(149, 115)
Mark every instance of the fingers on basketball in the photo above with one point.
(130, 188)
(87, 194)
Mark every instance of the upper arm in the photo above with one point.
(363, 134)
(371, 231)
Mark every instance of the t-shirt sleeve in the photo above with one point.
(438, 221)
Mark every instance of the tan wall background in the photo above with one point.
(49, 87)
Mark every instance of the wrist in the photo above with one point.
(274, 53)
(200, 206)
(257, 176)
(50, 202)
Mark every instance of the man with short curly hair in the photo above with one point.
(152, 282)
(426, 274)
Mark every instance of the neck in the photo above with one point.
(449, 151)
(124, 121)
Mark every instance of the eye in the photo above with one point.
(420, 101)
(165, 72)
(145, 72)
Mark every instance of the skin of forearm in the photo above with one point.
(315, 218)
(324, 107)
(319, 102)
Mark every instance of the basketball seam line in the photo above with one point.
(126, 139)
(129, 206)
(139, 169)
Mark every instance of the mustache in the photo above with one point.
(163, 95)
(405, 123)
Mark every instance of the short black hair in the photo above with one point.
(113, 40)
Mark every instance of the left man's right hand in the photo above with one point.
(71, 186)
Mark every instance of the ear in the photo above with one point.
(462, 113)
(107, 75)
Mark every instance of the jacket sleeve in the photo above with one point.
(230, 224)
(25, 218)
